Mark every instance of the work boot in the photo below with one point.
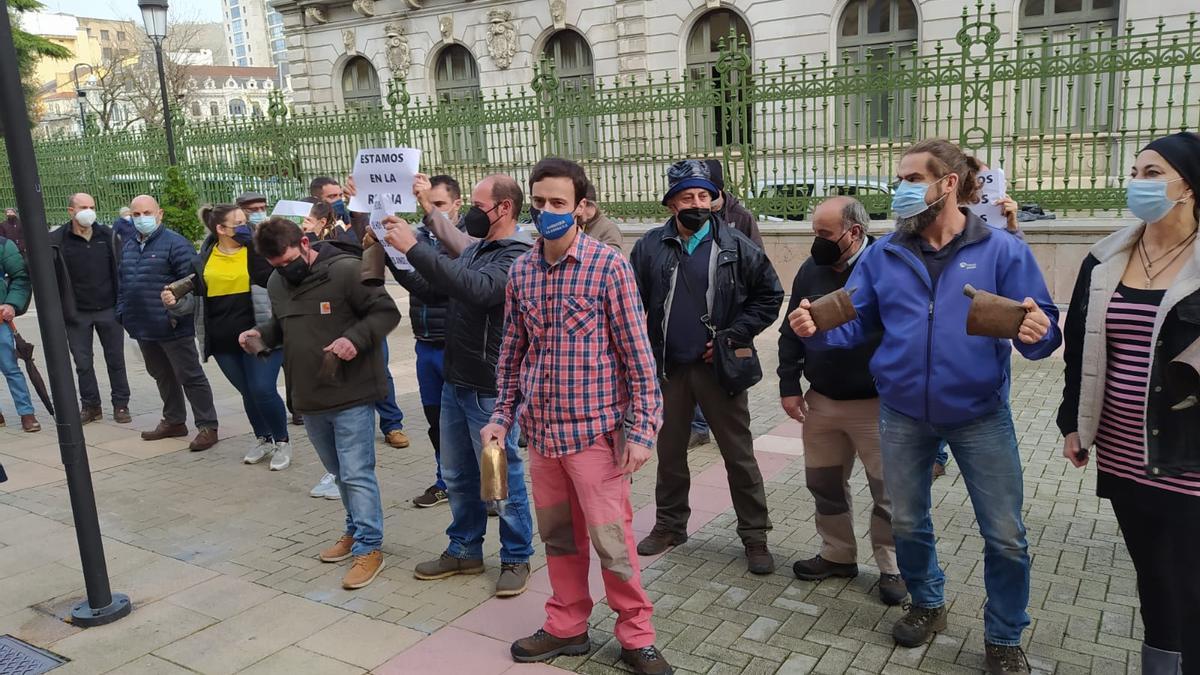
(366, 567)
(282, 458)
(514, 578)
(339, 551)
(817, 568)
(297, 420)
(205, 439)
(397, 439)
(698, 438)
(431, 497)
(1002, 659)
(918, 625)
(892, 589)
(29, 424)
(759, 559)
(542, 646)
(447, 566)
(165, 429)
(646, 661)
(263, 448)
(121, 415)
(659, 541)
(90, 413)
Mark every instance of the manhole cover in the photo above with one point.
(18, 658)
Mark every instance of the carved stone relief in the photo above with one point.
(558, 13)
(446, 26)
(365, 7)
(502, 37)
(348, 40)
(316, 15)
(399, 56)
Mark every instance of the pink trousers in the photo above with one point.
(582, 498)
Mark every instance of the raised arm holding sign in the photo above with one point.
(385, 174)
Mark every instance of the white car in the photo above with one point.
(792, 199)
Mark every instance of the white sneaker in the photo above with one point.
(282, 458)
(262, 449)
(326, 488)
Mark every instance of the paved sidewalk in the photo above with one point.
(219, 559)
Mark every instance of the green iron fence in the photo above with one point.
(1064, 115)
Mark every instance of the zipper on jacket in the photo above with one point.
(929, 349)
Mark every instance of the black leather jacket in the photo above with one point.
(475, 283)
(427, 308)
(746, 291)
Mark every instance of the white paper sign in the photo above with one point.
(291, 209)
(991, 188)
(385, 174)
(378, 213)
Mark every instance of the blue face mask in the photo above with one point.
(552, 225)
(256, 217)
(243, 235)
(1147, 199)
(145, 224)
(909, 198)
(339, 210)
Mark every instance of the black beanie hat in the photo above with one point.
(1182, 151)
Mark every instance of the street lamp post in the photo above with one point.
(81, 95)
(154, 16)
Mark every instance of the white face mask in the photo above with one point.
(85, 217)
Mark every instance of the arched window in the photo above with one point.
(197, 111)
(456, 83)
(256, 109)
(360, 84)
(878, 36)
(237, 108)
(214, 110)
(572, 59)
(707, 128)
(1067, 27)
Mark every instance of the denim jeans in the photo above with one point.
(256, 379)
(391, 417)
(345, 443)
(943, 455)
(12, 372)
(430, 380)
(699, 424)
(990, 464)
(464, 413)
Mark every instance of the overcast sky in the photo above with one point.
(181, 10)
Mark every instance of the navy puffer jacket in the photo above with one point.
(145, 269)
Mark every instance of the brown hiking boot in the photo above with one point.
(205, 439)
(339, 551)
(918, 625)
(29, 424)
(90, 413)
(659, 541)
(892, 589)
(448, 566)
(514, 578)
(542, 646)
(397, 439)
(365, 569)
(165, 430)
(817, 568)
(647, 661)
(939, 470)
(121, 415)
(1002, 659)
(759, 559)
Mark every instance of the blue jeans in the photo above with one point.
(464, 413)
(430, 380)
(256, 379)
(943, 455)
(345, 442)
(990, 464)
(699, 424)
(391, 417)
(12, 372)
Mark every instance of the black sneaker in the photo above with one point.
(432, 497)
(1005, 659)
(918, 625)
(817, 568)
(892, 590)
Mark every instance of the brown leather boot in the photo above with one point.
(165, 430)
(121, 415)
(205, 439)
(647, 661)
(90, 413)
(659, 541)
(542, 646)
(29, 424)
(364, 570)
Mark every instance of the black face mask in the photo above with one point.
(294, 272)
(477, 221)
(693, 219)
(11, 219)
(827, 251)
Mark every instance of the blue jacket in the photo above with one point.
(927, 367)
(165, 257)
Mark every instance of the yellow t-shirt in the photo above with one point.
(227, 273)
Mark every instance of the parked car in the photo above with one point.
(792, 199)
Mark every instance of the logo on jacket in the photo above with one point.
(967, 265)
(326, 308)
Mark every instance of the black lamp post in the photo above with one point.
(154, 15)
(81, 95)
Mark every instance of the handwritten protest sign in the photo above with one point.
(991, 188)
(385, 174)
(378, 213)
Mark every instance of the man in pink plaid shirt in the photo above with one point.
(577, 363)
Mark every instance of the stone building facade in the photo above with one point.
(342, 53)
